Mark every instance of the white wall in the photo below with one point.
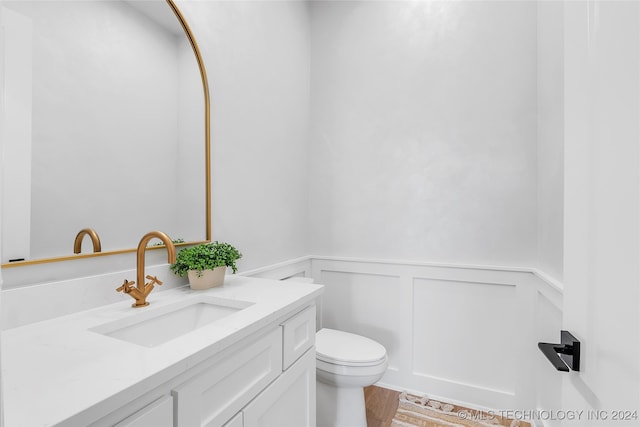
(550, 69)
(437, 135)
(257, 59)
(423, 141)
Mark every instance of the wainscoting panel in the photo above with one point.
(460, 332)
(464, 334)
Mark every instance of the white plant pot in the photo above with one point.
(207, 279)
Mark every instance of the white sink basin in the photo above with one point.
(153, 327)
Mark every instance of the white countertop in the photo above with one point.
(57, 370)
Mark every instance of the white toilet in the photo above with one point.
(345, 364)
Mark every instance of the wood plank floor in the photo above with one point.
(381, 405)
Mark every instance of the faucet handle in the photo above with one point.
(126, 286)
(154, 280)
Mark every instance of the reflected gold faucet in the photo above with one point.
(77, 244)
(140, 292)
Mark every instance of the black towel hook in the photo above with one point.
(564, 355)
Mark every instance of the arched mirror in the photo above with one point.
(107, 128)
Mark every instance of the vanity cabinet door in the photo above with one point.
(214, 394)
(290, 401)
(156, 414)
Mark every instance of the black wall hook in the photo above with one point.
(564, 355)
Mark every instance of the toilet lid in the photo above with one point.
(340, 347)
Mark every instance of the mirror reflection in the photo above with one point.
(105, 127)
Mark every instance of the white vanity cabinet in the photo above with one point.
(268, 383)
(265, 380)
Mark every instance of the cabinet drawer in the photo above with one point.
(221, 390)
(156, 414)
(298, 335)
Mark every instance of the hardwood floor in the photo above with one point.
(381, 405)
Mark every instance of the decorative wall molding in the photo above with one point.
(467, 333)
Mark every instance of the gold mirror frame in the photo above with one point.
(207, 154)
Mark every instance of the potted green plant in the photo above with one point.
(206, 264)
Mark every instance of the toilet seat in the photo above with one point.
(331, 369)
(345, 349)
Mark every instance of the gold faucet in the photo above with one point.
(140, 292)
(77, 244)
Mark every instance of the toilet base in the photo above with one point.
(340, 406)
